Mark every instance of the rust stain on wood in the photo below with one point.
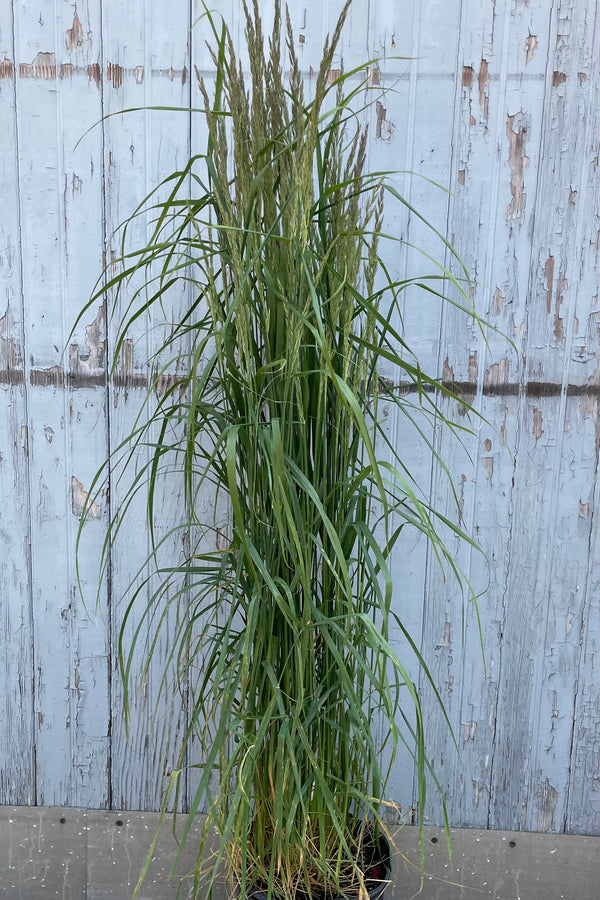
(114, 74)
(79, 501)
(517, 160)
(7, 69)
(43, 66)
(484, 84)
(558, 78)
(74, 35)
(468, 74)
(95, 73)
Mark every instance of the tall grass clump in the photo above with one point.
(296, 700)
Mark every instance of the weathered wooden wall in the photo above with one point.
(498, 101)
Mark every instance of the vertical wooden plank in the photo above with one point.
(393, 131)
(70, 657)
(82, 217)
(547, 693)
(452, 629)
(583, 804)
(147, 64)
(425, 319)
(17, 772)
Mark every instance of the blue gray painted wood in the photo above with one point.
(499, 103)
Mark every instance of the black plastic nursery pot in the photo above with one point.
(377, 879)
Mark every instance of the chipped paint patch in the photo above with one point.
(79, 501)
(516, 131)
(488, 465)
(89, 362)
(484, 84)
(11, 363)
(548, 801)
(373, 75)
(7, 69)
(531, 45)
(537, 423)
(561, 285)
(549, 277)
(114, 74)
(499, 301)
(95, 73)
(473, 367)
(53, 376)
(497, 374)
(384, 128)
(43, 66)
(469, 731)
(74, 35)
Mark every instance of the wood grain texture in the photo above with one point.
(69, 658)
(498, 103)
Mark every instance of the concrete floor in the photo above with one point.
(76, 854)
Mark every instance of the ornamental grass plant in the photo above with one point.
(296, 700)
